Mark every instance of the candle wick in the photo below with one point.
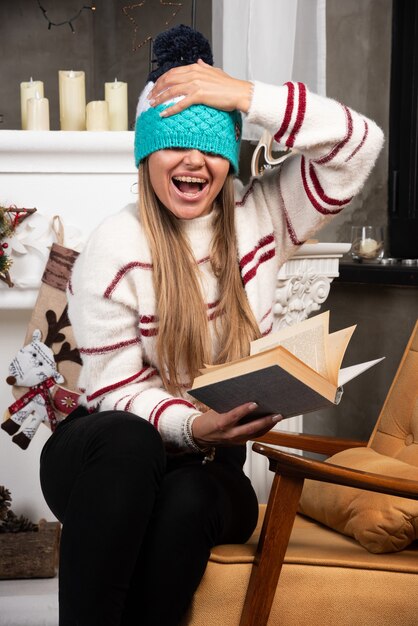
(116, 80)
(31, 80)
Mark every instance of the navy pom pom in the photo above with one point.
(178, 46)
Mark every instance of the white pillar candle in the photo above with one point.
(97, 115)
(37, 113)
(28, 90)
(72, 97)
(116, 95)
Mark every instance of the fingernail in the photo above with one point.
(163, 113)
(253, 406)
(151, 100)
(276, 418)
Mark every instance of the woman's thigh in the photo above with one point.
(102, 449)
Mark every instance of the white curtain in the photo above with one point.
(272, 41)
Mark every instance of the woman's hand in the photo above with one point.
(224, 429)
(200, 83)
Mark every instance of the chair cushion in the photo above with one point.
(341, 583)
(379, 522)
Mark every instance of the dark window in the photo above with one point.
(403, 143)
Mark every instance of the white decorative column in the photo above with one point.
(303, 283)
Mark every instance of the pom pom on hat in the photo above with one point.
(178, 46)
(199, 126)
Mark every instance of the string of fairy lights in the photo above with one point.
(130, 11)
(68, 22)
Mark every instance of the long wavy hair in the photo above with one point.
(183, 341)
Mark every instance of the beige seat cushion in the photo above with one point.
(380, 523)
(327, 578)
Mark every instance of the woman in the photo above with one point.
(144, 480)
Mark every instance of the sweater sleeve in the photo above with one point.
(104, 312)
(334, 148)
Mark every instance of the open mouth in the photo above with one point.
(190, 186)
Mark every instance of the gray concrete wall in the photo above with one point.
(101, 46)
(358, 74)
(385, 316)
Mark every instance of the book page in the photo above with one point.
(306, 340)
(336, 346)
(348, 373)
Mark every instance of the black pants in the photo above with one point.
(137, 527)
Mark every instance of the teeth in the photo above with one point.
(189, 179)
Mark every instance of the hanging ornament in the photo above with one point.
(175, 7)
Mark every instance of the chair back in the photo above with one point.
(396, 431)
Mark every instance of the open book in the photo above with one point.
(294, 371)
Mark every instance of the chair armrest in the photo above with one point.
(309, 443)
(295, 466)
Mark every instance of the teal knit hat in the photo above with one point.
(199, 126)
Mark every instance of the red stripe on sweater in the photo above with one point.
(292, 233)
(122, 272)
(366, 132)
(212, 305)
(70, 286)
(115, 406)
(252, 272)
(249, 191)
(166, 404)
(290, 230)
(150, 418)
(300, 115)
(129, 404)
(110, 348)
(148, 332)
(247, 258)
(122, 383)
(341, 144)
(204, 260)
(266, 315)
(321, 193)
(148, 319)
(215, 314)
(310, 195)
(268, 331)
(288, 111)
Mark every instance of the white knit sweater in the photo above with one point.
(111, 295)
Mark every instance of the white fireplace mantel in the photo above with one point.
(66, 151)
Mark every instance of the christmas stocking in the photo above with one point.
(50, 317)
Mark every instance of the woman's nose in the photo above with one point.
(194, 158)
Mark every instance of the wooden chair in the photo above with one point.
(326, 578)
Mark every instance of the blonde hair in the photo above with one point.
(181, 310)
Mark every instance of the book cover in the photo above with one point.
(272, 388)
